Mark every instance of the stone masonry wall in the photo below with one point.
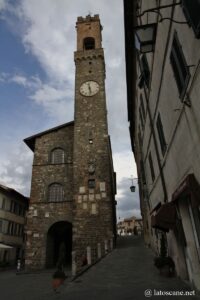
(42, 214)
(93, 207)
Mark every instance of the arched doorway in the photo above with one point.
(59, 244)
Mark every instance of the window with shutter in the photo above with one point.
(151, 167)
(145, 72)
(161, 135)
(179, 66)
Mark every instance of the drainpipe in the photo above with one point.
(156, 148)
(150, 116)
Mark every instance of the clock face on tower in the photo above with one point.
(89, 88)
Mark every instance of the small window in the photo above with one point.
(57, 156)
(191, 9)
(161, 135)
(7, 204)
(179, 66)
(55, 192)
(91, 183)
(151, 167)
(145, 72)
(20, 230)
(2, 203)
(9, 228)
(89, 43)
(12, 206)
(1, 225)
(5, 226)
(14, 228)
(16, 208)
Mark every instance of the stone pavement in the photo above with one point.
(122, 275)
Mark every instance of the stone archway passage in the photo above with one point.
(59, 245)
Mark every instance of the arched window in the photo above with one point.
(57, 156)
(55, 192)
(89, 43)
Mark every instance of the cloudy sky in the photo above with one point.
(38, 40)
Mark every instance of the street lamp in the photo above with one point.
(132, 187)
(145, 37)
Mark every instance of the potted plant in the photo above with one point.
(164, 263)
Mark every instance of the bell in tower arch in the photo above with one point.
(89, 43)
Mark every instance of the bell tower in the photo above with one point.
(94, 182)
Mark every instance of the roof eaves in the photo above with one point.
(30, 141)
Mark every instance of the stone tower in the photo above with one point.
(94, 214)
(72, 204)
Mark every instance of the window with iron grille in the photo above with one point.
(55, 192)
(191, 9)
(161, 135)
(57, 156)
(151, 167)
(179, 66)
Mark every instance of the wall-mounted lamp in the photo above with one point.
(145, 37)
(90, 141)
(132, 187)
(157, 11)
(90, 137)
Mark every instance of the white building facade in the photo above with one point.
(165, 129)
(13, 207)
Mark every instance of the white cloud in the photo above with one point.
(49, 36)
(122, 165)
(56, 101)
(3, 76)
(15, 172)
(48, 94)
(128, 202)
(2, 4)
(21, 80)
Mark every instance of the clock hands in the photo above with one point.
(89, 87)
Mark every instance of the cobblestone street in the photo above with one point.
(123, 274)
